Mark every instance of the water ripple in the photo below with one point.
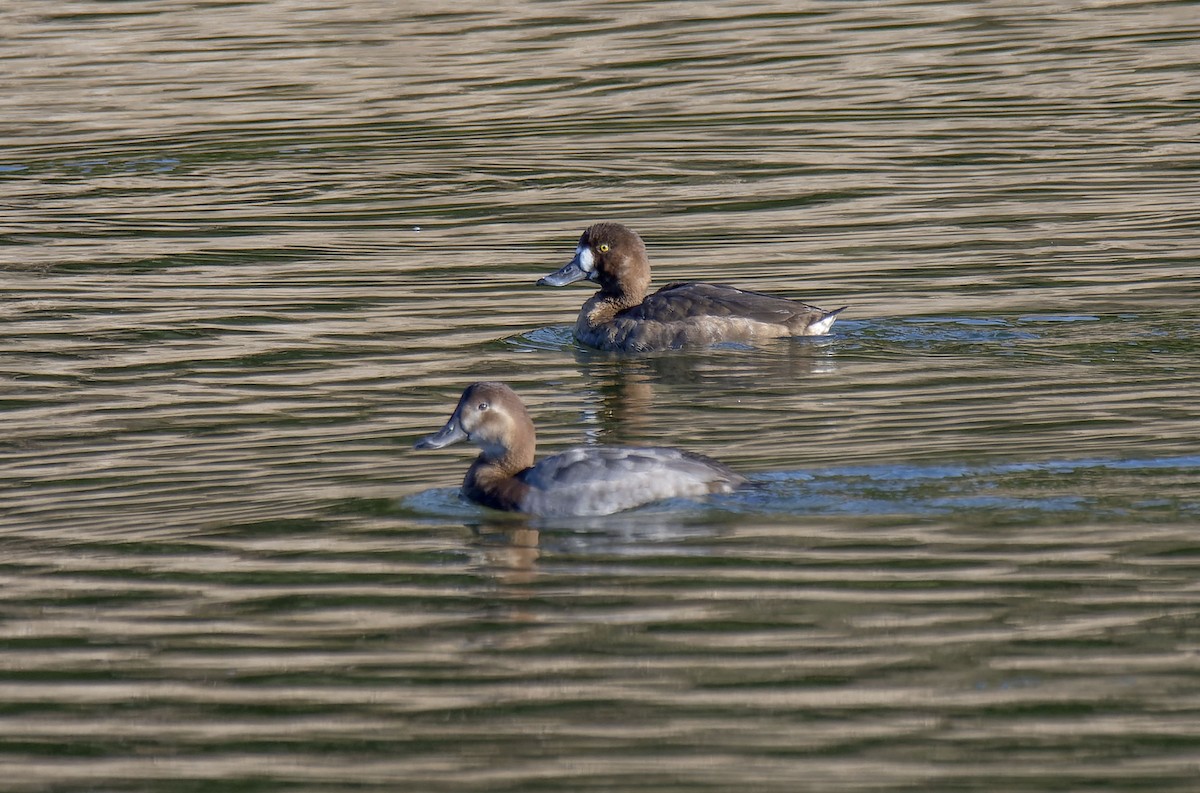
(252, 251)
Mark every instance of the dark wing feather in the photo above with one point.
(682, 301)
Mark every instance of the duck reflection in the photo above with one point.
(510, 553)
(511, 546)
(636, 395)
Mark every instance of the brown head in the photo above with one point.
(613, 256)
(491, 416)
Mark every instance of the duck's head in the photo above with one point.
(613, 256)
(491, 416)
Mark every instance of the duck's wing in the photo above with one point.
(598, 480)
(680, 301)
(584, 465)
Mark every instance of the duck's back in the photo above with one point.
(600, 480)
(685, 300)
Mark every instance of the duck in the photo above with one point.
(581, 481)
(621, 317)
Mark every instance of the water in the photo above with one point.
(250, 252)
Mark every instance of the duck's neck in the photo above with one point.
(509, 462)
(603, 306)
(490, 479)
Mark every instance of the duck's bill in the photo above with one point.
(567, 275)
(451, 433)
(577, 269)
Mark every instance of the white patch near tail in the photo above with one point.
(822, 325)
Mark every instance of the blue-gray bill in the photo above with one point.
(581, 267)
(450, 433)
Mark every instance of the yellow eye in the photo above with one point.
(602, 247)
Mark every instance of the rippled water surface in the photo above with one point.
(251, 251)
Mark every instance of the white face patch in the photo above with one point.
(586, 258)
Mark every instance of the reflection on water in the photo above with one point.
(251, 251)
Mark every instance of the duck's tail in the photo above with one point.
(822, 325)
